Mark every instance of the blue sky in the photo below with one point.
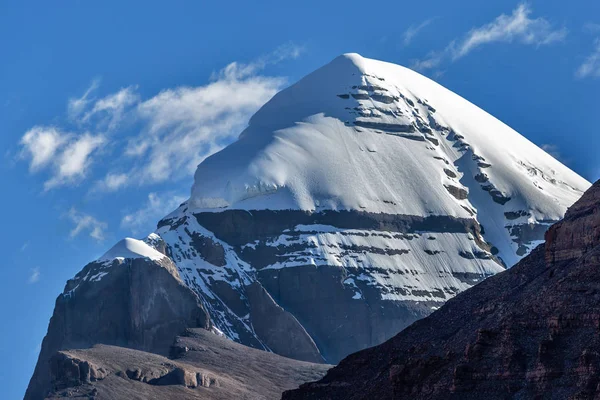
(106, 108)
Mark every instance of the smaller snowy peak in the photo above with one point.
(129, 248)
(148, 250)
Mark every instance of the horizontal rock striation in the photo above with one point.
(317, 286)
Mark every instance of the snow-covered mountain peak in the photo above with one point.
(361, 134)
(363, 190)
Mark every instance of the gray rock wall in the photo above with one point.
(139, 303)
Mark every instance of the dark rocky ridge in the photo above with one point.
(239, 227)
(530, 332)
(139, 303)
(202, 365)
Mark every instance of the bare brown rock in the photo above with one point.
(578, 233)
(202, 366)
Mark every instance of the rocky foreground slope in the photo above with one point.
(202, 366)
(532, 332)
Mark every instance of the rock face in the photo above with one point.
(335, 282)
(202, 366)
(567, 241)
(529, 332)
(139, 303)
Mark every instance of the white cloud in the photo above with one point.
(553, 150)
(433, 60)
(41, 144)
(66, 155)
(76, 106)
(86, 223)
(591, 65)
(591, 27)
(34, 275)
(72, 164)
(288, 51)
(185, 125)
(111, 182)
(104, 113)
(517, 27)
(157, 206)
(182, 126)
(174, 130)
(508, 28)
(112, 107)
(414, 30)
(237, 71)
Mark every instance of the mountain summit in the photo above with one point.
(365, 135)
(357, 201)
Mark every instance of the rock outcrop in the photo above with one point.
(568, 241)
(532, 332)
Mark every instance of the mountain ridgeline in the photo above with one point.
(356, 202)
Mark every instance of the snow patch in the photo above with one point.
(129, 248)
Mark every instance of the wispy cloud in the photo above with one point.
(85, 223)
(76, 106)
(591, 27)
(433, 60)
(237, 71)
(157, 206)
(40, 144)
(517, 27)
(414, 30)
(147, 140)
(185, 125)
(591, 65)
(112, 181)
(66, 155)
(34, 275)
(180, 127)
(174, 129)
(553, 150)
(73, 163)
(111, 109)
